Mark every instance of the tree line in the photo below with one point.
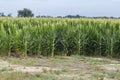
(28, 13)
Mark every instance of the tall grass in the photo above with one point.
(50, 37)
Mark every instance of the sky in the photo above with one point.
(63, 7)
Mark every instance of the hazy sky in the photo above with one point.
(63, 7)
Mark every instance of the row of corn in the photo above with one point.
(52, 36)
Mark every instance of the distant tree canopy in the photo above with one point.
(3, 15)
(43, 16)
(9, 15)
(28, 13)
(25, 13)
(74, 16)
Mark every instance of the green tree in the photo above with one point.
(25, 13)
(2, 14)
(9, 15)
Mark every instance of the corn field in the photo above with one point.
(52, 36)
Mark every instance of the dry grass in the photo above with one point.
(60, 68)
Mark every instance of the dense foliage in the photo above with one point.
(52, 36)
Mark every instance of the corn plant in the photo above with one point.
(51, 36)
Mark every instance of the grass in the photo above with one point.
(114, 75)
(71, 68)
(49, 76)
(6, 69)
(18, 61)
(35, 76)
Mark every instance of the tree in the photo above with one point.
(9, 15)
(2, 14)
(25, 13)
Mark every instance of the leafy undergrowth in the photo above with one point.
(59, 68)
